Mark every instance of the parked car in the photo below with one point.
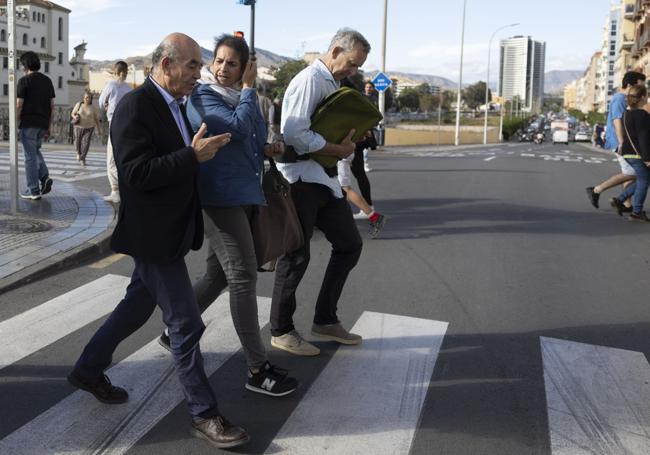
(582, 135)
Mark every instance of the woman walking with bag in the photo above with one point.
(85, 119)
(636, 151)
(231, 191)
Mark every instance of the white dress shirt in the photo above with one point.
(305, 91)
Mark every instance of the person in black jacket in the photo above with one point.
(159, 222)
(636, 151)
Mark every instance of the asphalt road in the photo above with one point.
(499, 242)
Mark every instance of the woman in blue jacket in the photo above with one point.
(230, 190)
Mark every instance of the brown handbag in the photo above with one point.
(276, 227)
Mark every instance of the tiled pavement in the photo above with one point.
(69, 223)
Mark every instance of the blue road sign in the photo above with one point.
(381, 82)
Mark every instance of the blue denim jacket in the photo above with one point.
(233, 176)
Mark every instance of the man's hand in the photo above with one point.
(206, 148)
(347, 146)
(274, 149)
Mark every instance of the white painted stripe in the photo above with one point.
(36, 328)
(598, 399)
(369, 397)
(82, 425)
(532, 155)
(490, 158)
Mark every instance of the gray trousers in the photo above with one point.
(232, 263)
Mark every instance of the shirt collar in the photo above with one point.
(169, 99)
(320, 66)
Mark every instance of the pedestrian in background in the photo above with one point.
(85, 118)
(318, 199)
(111, 95)
(635, 150)
(159, 221)
(231, 191)
(34, 106)
(613, 139)
(275, 117)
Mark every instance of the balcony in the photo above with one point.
(628, 42)
(642, 42)
(629, 11)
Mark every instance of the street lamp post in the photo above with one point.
(460, 78)
(13, 120)
(382, 93)
(487, 81)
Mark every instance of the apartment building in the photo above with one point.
(521, 71)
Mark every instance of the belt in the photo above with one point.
(291, 156)
(632, 157)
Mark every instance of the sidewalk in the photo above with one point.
(66, 226)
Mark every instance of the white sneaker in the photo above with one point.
(367, 168)
(360, 216)
(294, 343)
(114, 197)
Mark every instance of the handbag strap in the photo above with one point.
(629, 138)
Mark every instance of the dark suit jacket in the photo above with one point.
(160, 215)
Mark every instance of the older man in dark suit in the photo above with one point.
(159, 222)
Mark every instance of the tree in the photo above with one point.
(409, 98)
(284, 74)
(577, 114)
(474, 95)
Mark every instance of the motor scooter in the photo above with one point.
(539, 137)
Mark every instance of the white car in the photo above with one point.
(582, 136)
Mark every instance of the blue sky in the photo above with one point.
(423, 35)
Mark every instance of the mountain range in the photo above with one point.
(554, 81)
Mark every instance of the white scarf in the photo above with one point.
(230, 94)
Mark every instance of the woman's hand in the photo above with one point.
(250, 73)
(274, 149)
(647, 163)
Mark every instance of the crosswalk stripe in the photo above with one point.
(80, 424)
(36, 328)
(598, 398)
(369, 397)
(63, 165)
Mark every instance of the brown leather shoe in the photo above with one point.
(101, 388)
(219, 432)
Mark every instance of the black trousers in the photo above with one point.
(316, 206)
(359, 172)
(169, 287)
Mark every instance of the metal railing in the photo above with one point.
(61, 131)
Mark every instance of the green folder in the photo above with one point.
(337, 114)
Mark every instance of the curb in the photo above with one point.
(92, 248)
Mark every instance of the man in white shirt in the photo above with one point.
(318, 198)
(110, 96)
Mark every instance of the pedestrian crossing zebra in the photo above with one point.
(63, 165)
(367, 399)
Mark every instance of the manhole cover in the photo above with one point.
(18, 226)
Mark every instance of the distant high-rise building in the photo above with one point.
(521, 71)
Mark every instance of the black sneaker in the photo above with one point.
(376, 226)
(46, 185)
(617, 205)
(271, 380)
(31, 196)
(627, 209)
(101, 388)
(593, 197)
(163, 340)
(638, 217)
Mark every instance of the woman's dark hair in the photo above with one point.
(635, 95)
(237, 44)
(90, 94)
(30, 61)
(632, 78)
(120, 67)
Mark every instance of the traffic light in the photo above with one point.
(238, 34)
(246, 2)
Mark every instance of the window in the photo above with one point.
(5, 89)
(47, 67)
(34, 40)
(3, 35)
(43, 42)
(24, 39)
(34, 17)
(5, 62)
(60, 58)
(60, 29)
(60, 81)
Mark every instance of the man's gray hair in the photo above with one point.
(347, 39)
(164, 49)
